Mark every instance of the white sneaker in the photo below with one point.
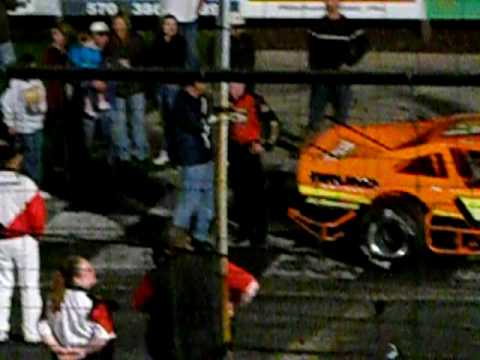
(103, 105)
(160, 211)
(392, 352)
(161, 159)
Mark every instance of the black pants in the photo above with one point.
(248, 184)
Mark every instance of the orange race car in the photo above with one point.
(405, 186)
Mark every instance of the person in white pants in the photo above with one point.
(22, 218)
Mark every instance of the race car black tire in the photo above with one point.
(393, 231)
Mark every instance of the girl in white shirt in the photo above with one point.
(76, 326)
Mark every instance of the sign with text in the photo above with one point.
(107, 7)
(259, 9)
(360, 9)
(38, 7)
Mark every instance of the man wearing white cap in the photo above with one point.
(186, 12)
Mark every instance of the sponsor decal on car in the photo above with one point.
(343, 149)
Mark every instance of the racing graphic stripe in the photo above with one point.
(472, 205)
(332, 194)
(449, 214)
(332, 203)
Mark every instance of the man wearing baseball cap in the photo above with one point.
(99, 27)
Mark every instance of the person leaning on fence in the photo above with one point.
(193, 151)
(333, 42)
(246, 168)
(22, 220)
(168, 51)
(24, 105)
(127, 50)
(7, 53)
(74, 324)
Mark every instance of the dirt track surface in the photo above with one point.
(317, 301)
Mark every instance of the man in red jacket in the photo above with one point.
(246, 169)
(154, 297)
(22, 219)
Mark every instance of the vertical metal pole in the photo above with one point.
(222, 155)
(222, 167)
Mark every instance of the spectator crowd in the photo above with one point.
(54, 127)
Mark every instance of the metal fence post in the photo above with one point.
(222, 164)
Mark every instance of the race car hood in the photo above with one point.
(362, 140)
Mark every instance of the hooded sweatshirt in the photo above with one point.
(24, 105)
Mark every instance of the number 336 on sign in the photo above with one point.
(146, 9)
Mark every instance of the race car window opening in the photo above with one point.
(468, 165)
(433, 166)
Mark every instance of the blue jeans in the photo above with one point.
(32, 161)
(196, 199)
(340, 96)
(104, 123)
(130, 110)
(7, 55)
(165, 95)
(190, 32)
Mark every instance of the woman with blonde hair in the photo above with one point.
(75, 325)
(127, 50)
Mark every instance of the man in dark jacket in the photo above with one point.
(168, 51)
(7, 54)
(193, 152)
(333, 43)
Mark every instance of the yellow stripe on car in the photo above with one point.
(332, 203)
(449, 214)
(332, 194)
(472, 205)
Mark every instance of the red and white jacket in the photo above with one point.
(79, 320)
(242, 286)
(22, 210)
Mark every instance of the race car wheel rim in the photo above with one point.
(390, 236)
